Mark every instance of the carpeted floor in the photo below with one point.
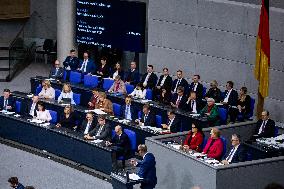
(43, 173)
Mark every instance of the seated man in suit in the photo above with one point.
(128, 111)
(165, 82)
(147, 119)
(31, 108)
(173, 124)
(179, 99)
(196, 87)
(237, 153)
(118, 86)
(230, 100)
(102, 131)
(193, 104)
(7, 102)
(147, 168)
(120, 143)
(56, 72)
(71, 63)
(265, 127)
(149, 79)
(88, 124)
(14, 183)
(132, 77)
(87, 66)
(179, 81)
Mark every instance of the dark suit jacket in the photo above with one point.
(133, 111)
(20, 186)
(83, 126)
(105, 133)
(199, 90)
(214, 93)
(233, 98)
(240, 155)
(59, 74)
(152, 81)
(91, 66)
(182, 101)
(199, 106)
(269, 129)
(150, 121)
(132, 77)
(182, 83)
(167, 84)
(176, 125)
(105, 70)
(147, 170)
(122, 144)
(11, 102)
(69, 122)
(73, 63)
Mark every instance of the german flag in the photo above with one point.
(263, 50)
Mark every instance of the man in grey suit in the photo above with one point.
(102, 131)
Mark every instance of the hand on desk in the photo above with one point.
(90, 104)
(225, 162)
(108, 143)
(8, 107)
(88, 137)
(58, 125)
(173, 105)
(164, 126)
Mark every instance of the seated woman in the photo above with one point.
(214, 92)
(214, 146)
(117, 71)
(103, 70)
(244, 102)
(47, 92)
(42, 113)
(211, 112)
(139, 92)
(104, 104)
(66, 95)
(194, 139)
(118, 86)
(94, 99)
(165, 96)
(68, 118)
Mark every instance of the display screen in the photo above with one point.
(111, 23)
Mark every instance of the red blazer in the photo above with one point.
(196, 141)
(216, 150)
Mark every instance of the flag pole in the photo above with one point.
(260, 104)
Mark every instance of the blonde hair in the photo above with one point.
(69, 87)
(47, 83)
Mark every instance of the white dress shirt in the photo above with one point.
(228, 95)
(146, 79)
(261, 128)
(232, 153)
(163, 81)
(87, 127)
(50, 92)
(84, 66)
(32, 110)
(178, 82)
(43, 115)
(115, 74)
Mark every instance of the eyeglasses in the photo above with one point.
(234, 140)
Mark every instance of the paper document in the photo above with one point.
(134, 176)
(37, 121)
(8, 113)
(99, 112)
(175, 146)
(219, 104)
(97, 141)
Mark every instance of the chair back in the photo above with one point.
(38, 89)
(149, 94)
(129, 88)
(132, 137)
(223, 115)
(75, 77)
(159, 121)
(77, 98)
(107, 83)
(57, 93)
(116, 109)
(90, 81)
(224, 146)
(53, 116)
(18, 106)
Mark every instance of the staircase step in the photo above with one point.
(4, 48)
(4, 53)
